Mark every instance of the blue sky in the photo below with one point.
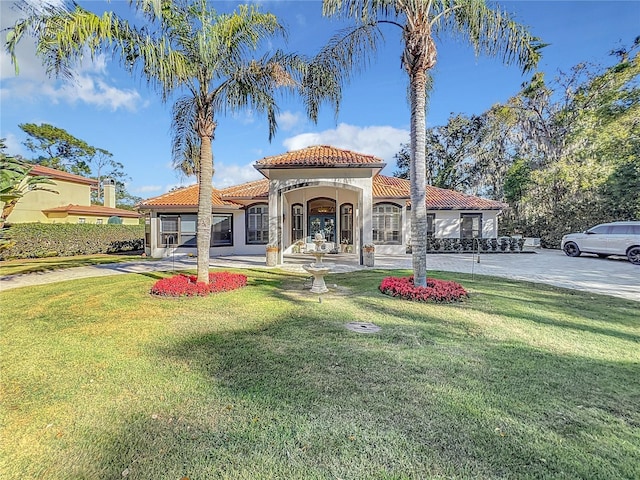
(109, 109)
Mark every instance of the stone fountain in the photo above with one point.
(317, 268)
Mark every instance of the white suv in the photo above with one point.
(616, 238)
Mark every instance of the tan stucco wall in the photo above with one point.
(29, 207)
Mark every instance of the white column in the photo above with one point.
(274, 220)
(367, 210)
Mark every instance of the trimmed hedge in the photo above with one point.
(38, 240)
(466, 245)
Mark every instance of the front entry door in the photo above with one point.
(326, 224)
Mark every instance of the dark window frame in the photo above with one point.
(388, 236)
(431, 225)
(297, 233)
(346, 232)
(213, 242)
(262, 238)
(464, 216)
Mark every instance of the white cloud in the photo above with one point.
(90, 83)
(93, 91)
(382, 141)
(288, 120)
(14, 147)
(229, 174)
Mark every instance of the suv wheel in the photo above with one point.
(572, 250)
(633, 254)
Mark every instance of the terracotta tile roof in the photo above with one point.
(319, 156)
(185, 197)
(441, 199)
(437, 198)
(93, 210)
(256, 189)
(60, 175)
(383, 187)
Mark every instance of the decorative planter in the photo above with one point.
(369, 254)
(272, 256)
(369, 259)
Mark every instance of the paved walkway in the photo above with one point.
(610, 276)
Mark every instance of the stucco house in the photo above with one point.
(325, 189)
(68, 202)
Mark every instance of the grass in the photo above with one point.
(39, 265)
(101, 380)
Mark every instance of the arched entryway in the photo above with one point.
(322, 218)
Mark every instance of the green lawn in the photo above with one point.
(100, 380)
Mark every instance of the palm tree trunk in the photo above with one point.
(205, 177)
(418, 83)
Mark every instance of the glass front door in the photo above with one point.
(326, 224)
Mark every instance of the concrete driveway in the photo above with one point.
(609, 276)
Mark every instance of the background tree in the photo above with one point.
(563, 153)
(57, 148)
(489, 31)
(580, 138)
(451, 152)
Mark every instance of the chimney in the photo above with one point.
(109, 192)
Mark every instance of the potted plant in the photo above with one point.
(344, 245)
(298, 246)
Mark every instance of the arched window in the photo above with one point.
(258, 224)
(387, 224)
(346, 223)
(297, 222)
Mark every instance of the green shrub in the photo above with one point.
(37, 240)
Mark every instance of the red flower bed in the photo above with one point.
(435, 291)
(187, 286)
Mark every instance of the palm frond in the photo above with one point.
(346, 53)
(492, 32)
(185, 145)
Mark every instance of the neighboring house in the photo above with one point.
(69, 201)
(317, 189)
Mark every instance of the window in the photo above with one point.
(346, 223)
(188, 228)
(600, 229)
(169, 233)
(431, 225)
(182, 230)
(221, 230)
(387, 223)
(258, 224)
(471, 225)
(99, 221)
(297, 222)
(82, 220)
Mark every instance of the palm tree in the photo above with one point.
(192, 48)
(490, 31)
